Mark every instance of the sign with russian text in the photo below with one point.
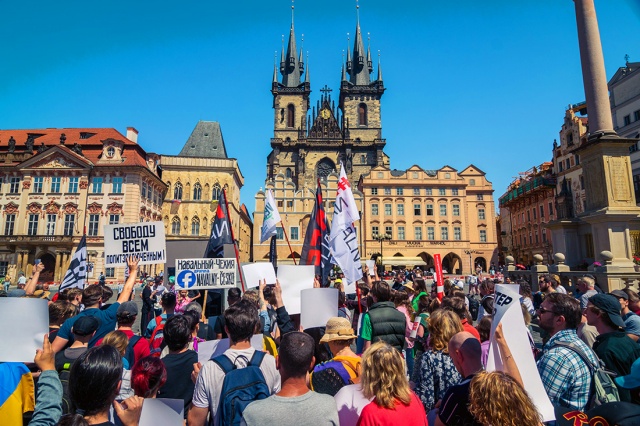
(144, 240)
(197, 274)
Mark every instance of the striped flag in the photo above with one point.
(76, 275)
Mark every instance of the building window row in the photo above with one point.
(387, 190)
(431, 233)
(417, 210)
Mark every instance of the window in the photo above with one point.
(290, 204)
(3, 268)
(374, 231)
(216, 193)
(117, 185)
(291, 115)
(447, 175)
(472, 182)
(627, 120)
(387, 191)
(295, 233)
(195, 226)
(55, 184)
(400, 209)
(374, 209)
(457, 233)
(442, 191)
(428, 191)
(279, 233)
(401, 232)
(175, 226)
(399, 191)
(9, 224)
(551, 209)
(96, 184)
(33, 224)
(143, 190)
(535, 213)
(280, 203)
(73, 185)
(544, 236)
(479, 197)
(528, 216)
(363, 159)
(417, 232)
(416, 209)
(110, 272)
(389, 231)
(94, 223)
(444, 233)
(37, 184)
(416, 191)
(14, 185)
(541, 212)
(111, 151)
(536, 236)
(374, 191)
(387, 210)
(483, 236)
(481, 214)
(576, 159)
(560, 165)
(636, 115)
(114, 219)
(454, 191)
(456, 210)
(51, 224)
(362, 115)
(177, 191)
(443, 209)
(197, 192)
(287, 173)
(431, 233)
(568, 163)
(429, 209)
(69, 223)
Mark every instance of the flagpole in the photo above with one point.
(284, 230)
(235, 246)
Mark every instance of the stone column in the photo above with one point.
(20, 261)
(57, 277)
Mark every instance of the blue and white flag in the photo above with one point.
(271, 218)
(76, 275)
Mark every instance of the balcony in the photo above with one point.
(38, 239)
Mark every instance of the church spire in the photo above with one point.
(360, 68)
(291, 67)
(379, 68)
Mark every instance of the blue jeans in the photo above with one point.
(6, 287)
(408, 356)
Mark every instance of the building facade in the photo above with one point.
(195, 178)
(57, 184)
(419, 213)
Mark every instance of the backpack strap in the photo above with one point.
(575, 348)
(224, 363)
(256, 359)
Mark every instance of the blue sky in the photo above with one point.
(467, 81)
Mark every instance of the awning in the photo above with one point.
(403, 261)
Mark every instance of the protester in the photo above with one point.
(420, 289)
(149, 299)
(7, 283)
(119, 341)
(631, 381)
(484, 331)
(403, 304)
(59, 312)
(487, 288)
(631, 320)
(83, 331)
(555, 283)
(148, 375)
(48, 407)
(425, 307)
(234, 295)
(183, 300)
(587, 333)
(390, 324)
(137, 348)
(107, 294)
(634, 300)
(586, 286)
(384, 381)
(457, 306)
(205, 330)
(155, 326)
(526, 297)
(294, 403)
(545, 287)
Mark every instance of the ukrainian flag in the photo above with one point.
(16, 393)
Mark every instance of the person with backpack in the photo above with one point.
(294, 404)
(138, 346)
(156, 325)
(237, 377)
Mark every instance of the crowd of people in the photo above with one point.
(398, 353)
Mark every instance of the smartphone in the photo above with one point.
(37, 261)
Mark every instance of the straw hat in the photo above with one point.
(338, 329)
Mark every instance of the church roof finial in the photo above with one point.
(275, 67)
(306, 74)
(379, 68)
(359, 69)
(291, 67)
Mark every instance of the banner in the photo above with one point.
(509, 313)
(76, 275)
(315, 250)
(196, 274)
(145, 240)
(220, 231)
(271, 218)
(438, 276)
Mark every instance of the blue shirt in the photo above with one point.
(632, 323)
(107, 319)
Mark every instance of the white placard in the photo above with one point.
(254, 272)
(24, 321)
(349, 288)
(213, 348)
(293, 279)
(371, 264)
(145, 240)
(162, 412)
(318, 305)
(508, 311)
(196, 274)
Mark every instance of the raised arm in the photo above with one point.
(132, 263)
(30, 287)
(510, 366)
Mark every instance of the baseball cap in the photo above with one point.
(128, 308)
(631, 380)
(85, 325)
(612, 413)
(172, 279)
(620, 294)
(609, 305)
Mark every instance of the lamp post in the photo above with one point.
(470, 253)
(381, 238)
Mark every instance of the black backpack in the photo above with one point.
(67, 404)
(474, 307)
(129, 354)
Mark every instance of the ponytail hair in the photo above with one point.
(147, 376)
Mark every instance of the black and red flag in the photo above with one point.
(220, 230)
(315, 250)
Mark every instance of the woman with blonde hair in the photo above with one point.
(383, 379)
(434, 371)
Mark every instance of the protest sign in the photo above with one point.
(438, 276)
(162, 411)
(203, 274)
(371, 264)
(293, 279)
(509, 313)
(213, 348)
(317, 306)
(25, 322)
(255, 272)
(349, 288)
(144, 240)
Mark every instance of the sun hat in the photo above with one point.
(409, 285)
(338, 329)
(631, 380)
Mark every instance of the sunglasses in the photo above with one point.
(543, 310)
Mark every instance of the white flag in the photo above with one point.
(343, 239)
(76, 275)
(271, 218)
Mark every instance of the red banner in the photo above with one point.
(438, 277)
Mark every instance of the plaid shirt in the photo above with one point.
(564, 375)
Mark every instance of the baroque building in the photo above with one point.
(195, 178)
(58, 184)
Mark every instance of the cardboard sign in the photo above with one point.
(317, 306)
(196, 274)
(509, 313)
(162, 411)
(213, 348)
(144, 240)
(25, 322)
(293, 279)
(255, 272)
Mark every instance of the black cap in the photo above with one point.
(128, 308)
(85, 325)
(609, 305)
(620, 294)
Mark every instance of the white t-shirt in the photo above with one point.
(350, 402)
(209, 384)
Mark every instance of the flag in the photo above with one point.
(273, 253)
(315, 250)
(16, 392)
(76, 275)
(220, 230)
(344, 239)
(271, 218)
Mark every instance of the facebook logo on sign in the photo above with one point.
(186, 279)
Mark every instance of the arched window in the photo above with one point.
(195, 226)
(215, 194)
(175, 226)
(363, 159)
(362, 115)
(177, 191)
(197, 192)
(291, 112)
(288, 173)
